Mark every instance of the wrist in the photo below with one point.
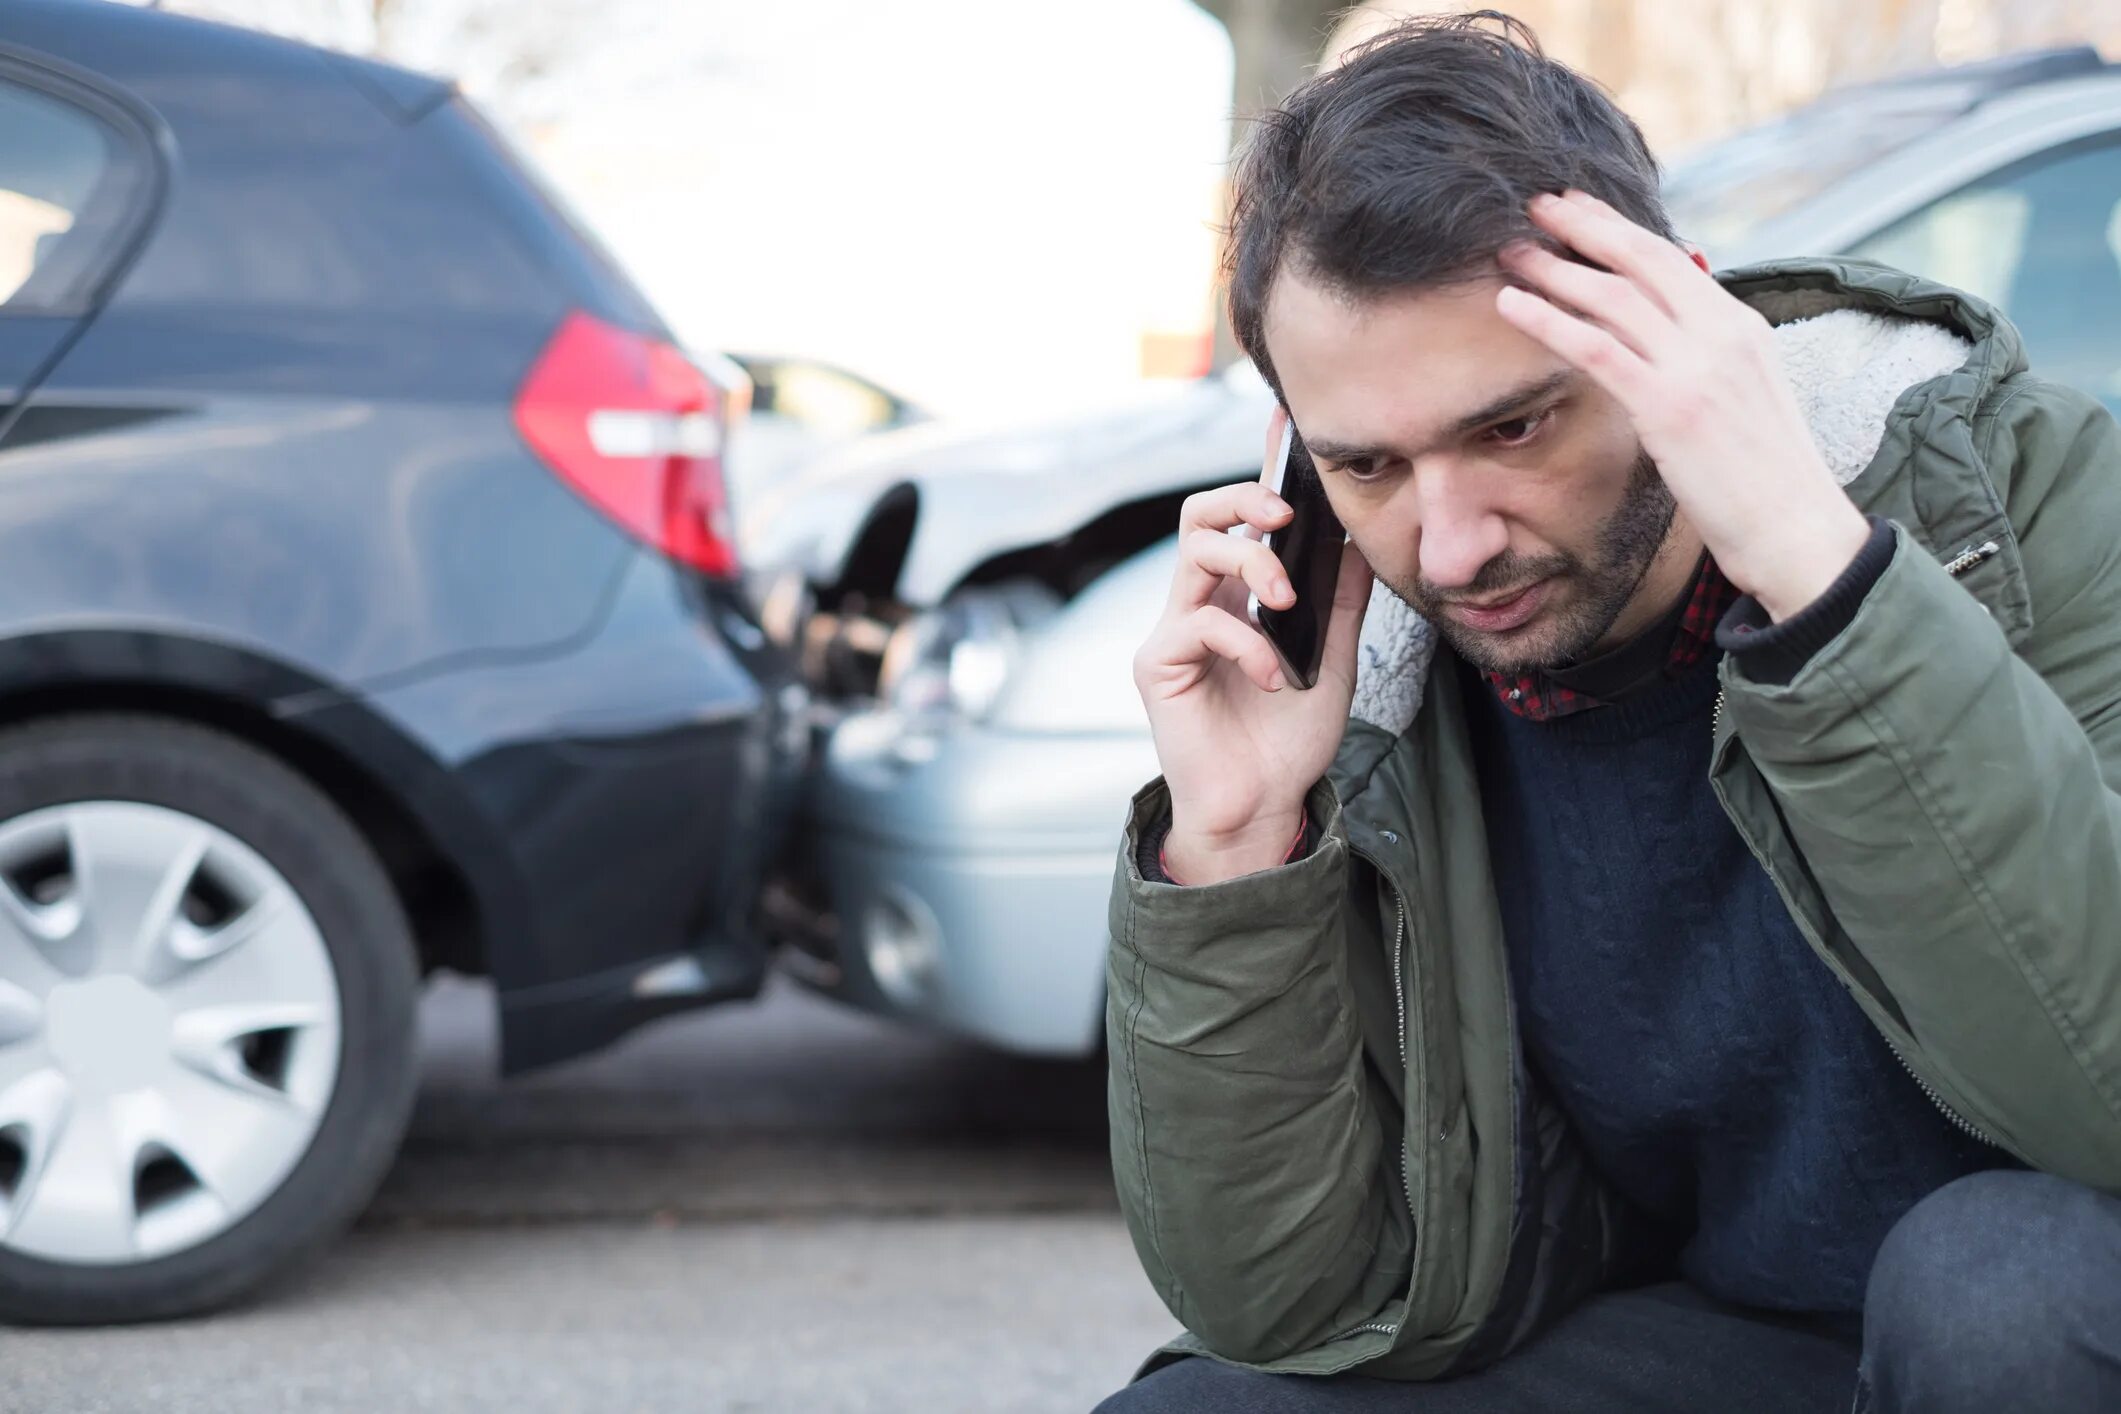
(1791, 576)
(1210, 856)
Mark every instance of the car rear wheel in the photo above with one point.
(207, 995)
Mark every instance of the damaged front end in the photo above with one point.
(965, 641)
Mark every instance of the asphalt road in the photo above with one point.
(779, 1207)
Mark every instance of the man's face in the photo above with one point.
(1491, 486)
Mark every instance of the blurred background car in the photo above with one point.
(799, 408)
(978, 597)
(370, 608)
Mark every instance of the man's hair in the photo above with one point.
(1410, 164)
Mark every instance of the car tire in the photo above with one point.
(232, 1179)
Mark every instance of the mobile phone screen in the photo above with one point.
(1309, 550)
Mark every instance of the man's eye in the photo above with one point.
(1362, 469)
(1519, 430)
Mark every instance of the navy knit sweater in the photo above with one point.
(1716, 1070)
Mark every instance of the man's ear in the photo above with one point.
(1696, 254)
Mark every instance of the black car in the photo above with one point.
(368, 606)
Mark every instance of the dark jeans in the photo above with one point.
(2001, 1291)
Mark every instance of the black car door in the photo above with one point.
(80, 173)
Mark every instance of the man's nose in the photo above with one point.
(1460, 530)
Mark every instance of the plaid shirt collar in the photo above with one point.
(1534, 696)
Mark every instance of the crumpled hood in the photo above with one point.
(1854, 339)
(987, 489)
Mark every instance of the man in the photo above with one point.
(1672, 960)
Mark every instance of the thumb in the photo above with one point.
(1351, 600)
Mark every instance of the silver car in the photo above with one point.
(969, 603)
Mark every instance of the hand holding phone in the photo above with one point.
(1240, 751)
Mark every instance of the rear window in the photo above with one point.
(303, 197)
(601, 283)
(53, 157)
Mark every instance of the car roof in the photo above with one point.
(1839, 168)
(1982, 78)
(122, 40)
(1952, 92)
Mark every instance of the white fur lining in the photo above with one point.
(1848, 366)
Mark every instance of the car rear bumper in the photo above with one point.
(960, 878)
(646, 892)
(626, 799)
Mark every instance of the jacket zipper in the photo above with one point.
(1969, 557)
(1957, 565)
(1966, 1125)
(1399, 998)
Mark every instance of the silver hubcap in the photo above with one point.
(169, 1032)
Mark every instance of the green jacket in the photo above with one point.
(1326, 1145)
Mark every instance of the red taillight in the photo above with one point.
(636, 429)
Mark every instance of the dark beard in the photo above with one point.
(1627, 544)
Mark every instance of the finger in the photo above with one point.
(1225, 635)
(1208, 557)
(1351, 601)
(1614, 301)
(1591, 228)
(1611, 364)
(1245, 503)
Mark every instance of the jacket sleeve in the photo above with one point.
(1956, 799)
(1255, 1163)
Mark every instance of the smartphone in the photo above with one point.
(1308, 547)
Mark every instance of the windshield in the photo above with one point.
(1721, 193)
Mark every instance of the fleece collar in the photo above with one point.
(1849, 366)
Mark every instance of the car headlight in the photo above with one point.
(955, 659)
(1078, 674)
(1082, 686)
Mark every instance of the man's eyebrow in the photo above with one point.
(1498, 410)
